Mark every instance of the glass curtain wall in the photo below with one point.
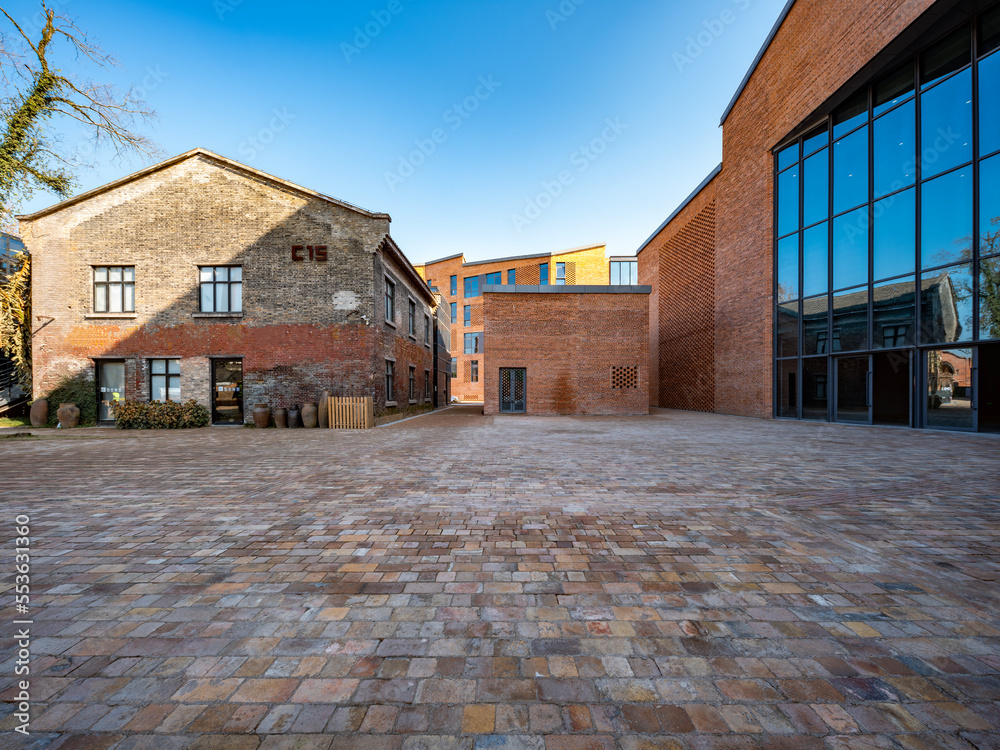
(887, 236)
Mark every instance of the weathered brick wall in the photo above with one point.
(306, 325)
(680, 264)
(821, 45)
(568, 342)
(587, 265)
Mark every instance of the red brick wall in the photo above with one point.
(680, 265)
(568, 342)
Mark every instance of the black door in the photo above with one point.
(227, 391)
(892, 388)
(110, 387)
(513, 391)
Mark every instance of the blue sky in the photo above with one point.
(493, 128)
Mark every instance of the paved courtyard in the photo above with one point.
(459, 582)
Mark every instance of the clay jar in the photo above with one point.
(280, 417)
(39, 413)
(310, 415)
(294, 416)
(324, 410)
(261, 416)
(69, 415)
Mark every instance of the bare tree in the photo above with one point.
(38, 97)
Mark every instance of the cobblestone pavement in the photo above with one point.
(459, 582)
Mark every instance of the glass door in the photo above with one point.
(110, 388)
(988, 388)
(892, 388)
(853, 402)
(513, 391)
(227, 391)
(949, 374)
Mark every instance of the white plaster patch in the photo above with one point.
(346, 301)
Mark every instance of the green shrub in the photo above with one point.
(80, 390)
(157, 415)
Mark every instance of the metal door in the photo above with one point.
(111, 388)
(513, 390)
(227, 391)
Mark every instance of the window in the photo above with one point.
(221, 288)
(454, 286)
(820, 387)
(472, 287)
(894, 336)
(412, 318)
(454, 312)
(164, 380)
(474, 371)
(114, 289)
(413, 383)
(512, 277)
(467, 315)
(454, 367)
(390, 301)
(474, 343)
(390, 380)
(624, 272)
(543, 274)
(427, 330)
(427, 385)
(560, 274)
(494, 278)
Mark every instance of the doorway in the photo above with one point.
(949, 378)
(110, 388)
(892, 388)
(989, 388)
(852, 390)
(227, 391)
(513, 390)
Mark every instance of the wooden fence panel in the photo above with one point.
(351, 413)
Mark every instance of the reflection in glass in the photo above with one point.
(946, 219)
(815, 261)
(788, 329)
(895, 235)
(895, 150)
(850, 249)
(946, 305)
(817, 138)
(946, 125)
(850, 114)
(894, 305)
(989, 298)
(788, 201)
(850, 171)
(949, 389)
(816, 188)
(788, 156)
(945, 57)
(815, 388)
(989, 206)
(850, 320)
(816, 325)
(852, 389)
(893, 89)
(989, 105)
(788, 268)
(786, 375)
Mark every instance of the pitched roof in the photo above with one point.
(205, 153)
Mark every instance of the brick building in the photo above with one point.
(461, 285)
(202, 278)
(847, 245)
(566, 350)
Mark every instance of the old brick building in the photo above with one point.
(848, 243)
(202, 278)
(566, 350)
(461, 285)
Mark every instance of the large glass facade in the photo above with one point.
(887, 245)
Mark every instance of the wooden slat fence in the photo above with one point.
(351, 413)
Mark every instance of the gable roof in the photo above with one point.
(756, 61)
(204, 153)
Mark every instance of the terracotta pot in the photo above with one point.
(324, 410)
(261, 416)
(294, 416)
(310, 415)
(69, 415)
(280, 417)
(39, 413)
